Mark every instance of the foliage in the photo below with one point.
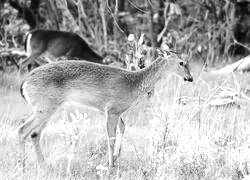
(207, 29)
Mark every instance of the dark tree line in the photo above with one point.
(211, 30)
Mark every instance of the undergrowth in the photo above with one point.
(176, 134)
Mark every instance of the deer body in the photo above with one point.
(53, 44)
(84, 80)
(108, 89)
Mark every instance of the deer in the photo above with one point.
(109, 90)
(52, 44)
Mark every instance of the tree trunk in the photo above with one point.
(52, 11)
(116, 30)
(151, 24)
(104, 23)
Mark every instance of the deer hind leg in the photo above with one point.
(112, 120)
(22, 138)
(27, 62)
(35, 136)
(34, 127)
(118, 144)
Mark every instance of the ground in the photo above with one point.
(181, 132)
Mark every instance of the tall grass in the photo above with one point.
(194, 140)
(176, 134)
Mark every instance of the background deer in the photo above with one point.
(52, 44)
(108, 89)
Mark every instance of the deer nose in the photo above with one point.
(189, 78)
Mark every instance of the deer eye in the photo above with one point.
(181, 63)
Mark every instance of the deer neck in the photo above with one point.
(152, 74)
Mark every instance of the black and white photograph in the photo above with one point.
(125, 90)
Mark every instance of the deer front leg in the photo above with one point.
(118, 144)
(112, 120)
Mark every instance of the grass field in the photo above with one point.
(196, 130)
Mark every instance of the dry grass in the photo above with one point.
(173, 135)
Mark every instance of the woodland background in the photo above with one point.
(213, 31)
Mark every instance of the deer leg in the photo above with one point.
(28, 62)
(112, 120)
(35, 136)
(22, 139)
(34, 127)
(15, 63)
(33, 63)
(118, 144)
(24, 63)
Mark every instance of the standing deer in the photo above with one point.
(108, 89)
(52, 44)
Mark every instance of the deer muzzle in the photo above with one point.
(188, 78)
